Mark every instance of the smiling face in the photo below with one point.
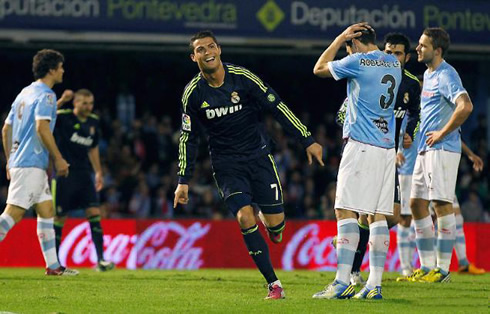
(207, 54)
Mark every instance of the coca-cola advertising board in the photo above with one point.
(194, 244)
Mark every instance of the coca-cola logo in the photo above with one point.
(307, 250)
(163, 245)
(310, 247)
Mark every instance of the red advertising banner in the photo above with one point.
(194, 244)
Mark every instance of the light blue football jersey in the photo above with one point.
(410, 153)
(373, 79)
(439, 93)
(35, 102)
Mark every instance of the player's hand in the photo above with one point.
(477, 162)
(61, 167)
(181, 194)
(407, 141)
(65, 97)
(433, 137)
(99, 181)
(354, 31)
(400, 159)
(315, 150)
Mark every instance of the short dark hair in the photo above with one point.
(397, 39)
(83, 92)
(45, 60)
(440, 38)
(199, 35)
(368, 36)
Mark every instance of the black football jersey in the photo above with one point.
(75, 138)
(230, 117)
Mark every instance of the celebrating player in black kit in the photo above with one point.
(77, 136)
(226, 102)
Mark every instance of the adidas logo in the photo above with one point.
(204, 105)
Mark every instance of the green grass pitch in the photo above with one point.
(27, 290)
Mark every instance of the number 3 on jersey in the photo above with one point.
(387, 79)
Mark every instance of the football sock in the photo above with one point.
(278, 228)
(460, 244)
(258, 250)
(446, 236)
(6, 223)
(379, 241)
(424, 237)
(347, 241)
(97, 236)
(58, 230)
(406, 246)
(46, 236)
(361, 247)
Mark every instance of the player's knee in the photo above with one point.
(246, 217)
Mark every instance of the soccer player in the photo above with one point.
(407, 104)
(226, 102)
(27, 142)
(77, 135)
(445, 106)
(366, 179)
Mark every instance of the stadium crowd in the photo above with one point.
(139, 158)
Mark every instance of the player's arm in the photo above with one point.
(43, 114)
(413, 115)
(7, 144)
(94, 157)
(188, 148)
(464, 107)
(47, 138)
(65, 97)
(322, 68)
(475, 159)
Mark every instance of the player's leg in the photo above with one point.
(93, 217)
(356, 278)
(10, 216)
(405, 242)
(465, 267)
(59, 222)
(45, 229)
(267, 193)
(443, 167)
(234, 185)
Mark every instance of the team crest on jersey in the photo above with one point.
(186, 122)
(406, 98)
(271, 97)
(92, 130)
(50, 99)
(235, 98)
(20, 110)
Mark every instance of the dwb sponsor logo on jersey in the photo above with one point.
(212, 113)
(85, 141)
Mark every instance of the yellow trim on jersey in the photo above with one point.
(64, 111)
(410, 75)
(188, 91)
(277, 175)
(293, 119)
(183, 153)
(254, 78)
